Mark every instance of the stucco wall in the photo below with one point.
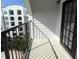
(49, 13)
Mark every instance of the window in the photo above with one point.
(11, 12)
(5, 12)
(19, 23)
(12, 23)
(20, 34)
(7, 23)
(19, 12)
(14, 34)
(19, 18)
(5, 17)
(26, 17)
(7, 27)
(11, 18)
(20, 28)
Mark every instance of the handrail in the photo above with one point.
(13, 27)
(47, 38)
(5, 39)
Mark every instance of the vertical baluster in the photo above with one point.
(9, 34)
(11, 45)
(4, 37)
(13, 33)
(17, 38)
(42, 36)
(10, 42)
(36, 33)
(33, 31)
(39, 34)
(27, 35)
(17, 32)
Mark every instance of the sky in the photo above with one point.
(5, 3)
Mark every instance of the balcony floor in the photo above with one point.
(41, 49)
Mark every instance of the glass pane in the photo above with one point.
(5, 17)
(63, 39)
(72, 27)
(66, 42)
(65, 18)
(66, 9)
(65, 25)
(70, 7)
(64, 32)
(71, 36)
(69, 15)
(70, 44)
(73, 17)
(74, 6)
(5, 12)
(68, 25)
(7, 23)
(67, 34)
(20, 28)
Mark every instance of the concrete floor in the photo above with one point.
(41, 49)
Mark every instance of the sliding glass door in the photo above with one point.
(69, 26)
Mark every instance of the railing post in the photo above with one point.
(27, 38)
(4, 38)
(26, 32)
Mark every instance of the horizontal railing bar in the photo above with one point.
(13, 28)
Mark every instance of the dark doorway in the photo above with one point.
(69, 27)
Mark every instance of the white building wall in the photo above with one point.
(2, 24)
(15, 15)
(49, 13)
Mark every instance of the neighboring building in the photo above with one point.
(12, 16)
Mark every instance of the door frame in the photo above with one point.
(74, 45)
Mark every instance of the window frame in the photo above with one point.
(13, 24)
(12, 18)
(11, 12)
(19, 18)
(19, 12)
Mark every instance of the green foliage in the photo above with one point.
(18, 43)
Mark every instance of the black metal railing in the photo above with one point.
(39, 34)
(16, 40)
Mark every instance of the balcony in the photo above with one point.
(42, 36)
(25, 47)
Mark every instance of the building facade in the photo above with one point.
(12, 16)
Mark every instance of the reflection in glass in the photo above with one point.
(66, 42)
(64, 32)
(63, 39)
(70, 44)
(67, 34)
(65, 18)
(72, 27)
(73, 17)
(69, 15)
(74, 6)
(71, 36)
(66, 9)
(70, 7)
